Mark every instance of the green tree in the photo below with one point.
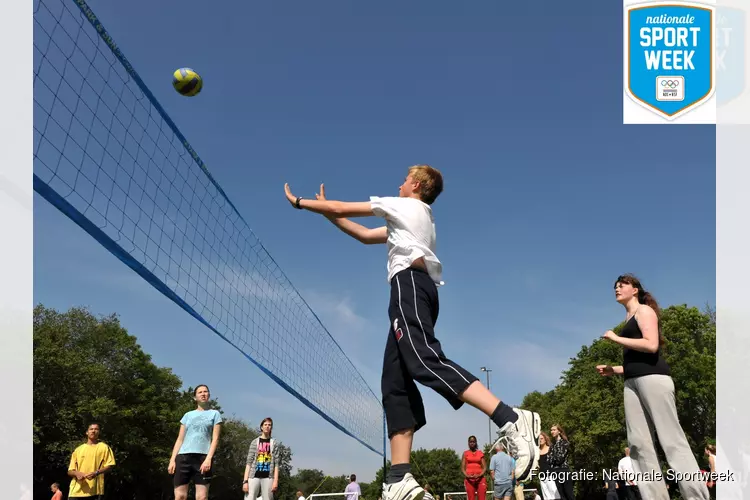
(308, 480)
(333, 484)
(691, 354)
(86, 370)
(286, 489)
(438, 467)
(374, 489)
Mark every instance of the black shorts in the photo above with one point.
(412, 353)
(187, 467)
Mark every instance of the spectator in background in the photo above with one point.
(503, 473)
(352, 489)
(558, 462)
(56, 493)
(515, 484)
(195, 446)
(262, 469)
(300, 495)
(612, 486)
(473, 467)
(627, 477)
(547, 485)
(88, 464)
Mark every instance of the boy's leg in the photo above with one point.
(404, 413)
(413, 313)
(401, 444)
(402, 403)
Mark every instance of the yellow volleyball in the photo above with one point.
(187, 82)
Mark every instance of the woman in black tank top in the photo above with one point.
(649, 397)
(546, 484)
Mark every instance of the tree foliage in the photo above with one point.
(310, 481)
(88, 369)
(438, 467)
(91, 370)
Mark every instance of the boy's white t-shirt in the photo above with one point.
(411, 234)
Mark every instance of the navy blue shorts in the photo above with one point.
(413, 354)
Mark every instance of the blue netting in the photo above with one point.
(108, 156)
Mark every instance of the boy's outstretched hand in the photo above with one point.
(289, 196)
(293, 199)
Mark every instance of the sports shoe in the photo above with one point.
(521, 438)
(406, 489)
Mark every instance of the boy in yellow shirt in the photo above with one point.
(88, 464)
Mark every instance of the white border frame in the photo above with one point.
(732, 281)
(16, 257)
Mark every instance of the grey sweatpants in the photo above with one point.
(650, 409)
(260, 486)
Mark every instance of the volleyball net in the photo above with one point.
(108, 156)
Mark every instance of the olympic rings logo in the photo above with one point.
(670, 83)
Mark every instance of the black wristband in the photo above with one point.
(244, 482)
(296, 203)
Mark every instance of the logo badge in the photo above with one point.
(670, 56)
(730, 54)
(396, 330)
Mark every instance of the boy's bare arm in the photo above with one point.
(361, 233)
(330, 207)
(357, 231)
(336, 212)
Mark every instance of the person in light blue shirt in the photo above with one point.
(502, 470)
(195, 447)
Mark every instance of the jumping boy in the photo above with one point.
(412, 353)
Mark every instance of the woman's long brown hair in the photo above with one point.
(644, 297)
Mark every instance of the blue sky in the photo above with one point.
(548, 197)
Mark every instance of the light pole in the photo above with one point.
(489, 424)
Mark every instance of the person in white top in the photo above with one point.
(412, 353)
(627, 475)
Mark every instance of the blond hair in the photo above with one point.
(430, 182)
